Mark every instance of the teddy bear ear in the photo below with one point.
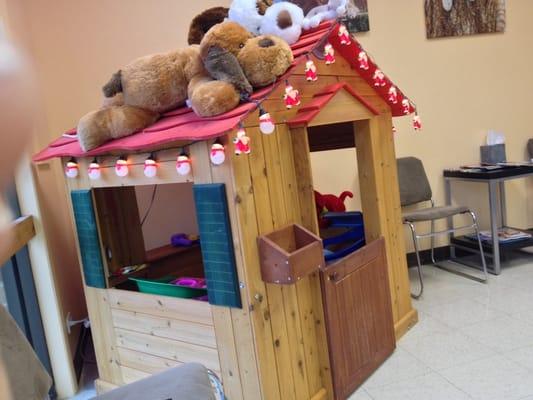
(205, 21)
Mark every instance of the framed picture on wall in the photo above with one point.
(356, 19)
(464, 17)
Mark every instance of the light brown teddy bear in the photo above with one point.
(215, 76)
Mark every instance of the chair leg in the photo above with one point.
(481, 253)
(217, 385)
(419, 264)
(433, 242)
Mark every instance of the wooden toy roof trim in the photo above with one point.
(308, 112)
(181, 126)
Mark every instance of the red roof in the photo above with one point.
(184, 125)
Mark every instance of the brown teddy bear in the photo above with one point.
(215, 76)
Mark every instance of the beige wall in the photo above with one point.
(172, 212)
(78, 44)
(463, 87)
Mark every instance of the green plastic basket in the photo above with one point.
(163, 287)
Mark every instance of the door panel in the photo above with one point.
(358, 315)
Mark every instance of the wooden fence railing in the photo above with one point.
(22, 231)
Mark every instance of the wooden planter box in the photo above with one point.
(289, 254)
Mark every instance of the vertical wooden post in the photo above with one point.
(380, 199)
(227, 348)
(304, 177)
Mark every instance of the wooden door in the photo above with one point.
(359, 319)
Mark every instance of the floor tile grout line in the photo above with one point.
(454, 385)
(399, 381)
(406, 379)
(368, 394)
(503, 354)
(455, 365)
(485, 345)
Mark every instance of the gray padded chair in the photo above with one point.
(414, 189)
(189, 381)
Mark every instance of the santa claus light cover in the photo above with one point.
(344, 35)
(266, 122)
(217, 153)
(363, 60)
(310, 70)
(150, 167)
(94, 170)
(292, 96)
(183, 164)
(329, 54)
(242, 142)
(121, 167)
(72, 169)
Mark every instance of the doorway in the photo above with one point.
(355, 286)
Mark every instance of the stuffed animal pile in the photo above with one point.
(213, 75)
(285, 19)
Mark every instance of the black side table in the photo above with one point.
(496, 181)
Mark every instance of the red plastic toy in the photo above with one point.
(330, 203)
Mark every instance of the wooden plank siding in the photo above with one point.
(260, 312)
(268, 200)
(167, 328)
(229, 365)
(241, 319)
(173, 349)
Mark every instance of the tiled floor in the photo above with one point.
(473, 341)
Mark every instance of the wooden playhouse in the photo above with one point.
(280, 323)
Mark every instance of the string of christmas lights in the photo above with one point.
(267, 125)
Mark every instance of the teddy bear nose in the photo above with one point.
(266, 42)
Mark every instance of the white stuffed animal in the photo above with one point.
(332, 10)
(284, 20)
(246, 13)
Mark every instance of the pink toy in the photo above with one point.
(197, 283)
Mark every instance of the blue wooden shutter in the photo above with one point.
(91, 257)
(216, 242)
